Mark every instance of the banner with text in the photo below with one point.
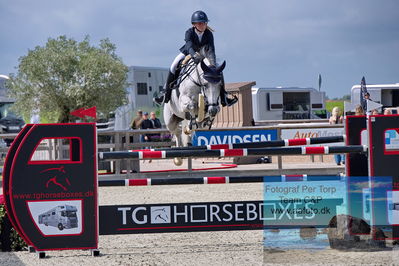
(234, 136)
(313, 133)
(303, 203)
(181, 217)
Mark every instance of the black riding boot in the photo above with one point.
(167, 90)
(224, 100)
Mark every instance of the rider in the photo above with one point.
(198, 36)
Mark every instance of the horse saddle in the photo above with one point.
(182, 72)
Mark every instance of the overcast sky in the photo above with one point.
(272, 42)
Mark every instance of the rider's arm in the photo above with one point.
(189, 42)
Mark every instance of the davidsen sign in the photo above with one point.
(234, 136)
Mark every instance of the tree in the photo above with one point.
(346, 97)
(65, 75)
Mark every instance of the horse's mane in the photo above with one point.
(207, 53)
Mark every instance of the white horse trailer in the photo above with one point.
(287, 103)
(385, 94)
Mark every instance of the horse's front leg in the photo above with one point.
(189, 105)
(172, 124)
(190, 108)
(179, 143)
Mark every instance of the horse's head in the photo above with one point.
(211, 81)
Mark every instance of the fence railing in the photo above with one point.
(120, 140)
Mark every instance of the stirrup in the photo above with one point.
(159, 100)
(230, 102)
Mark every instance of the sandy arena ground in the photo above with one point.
(204, 248)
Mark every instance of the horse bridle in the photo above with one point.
(203, 87)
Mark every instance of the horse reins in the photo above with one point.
(202, 86)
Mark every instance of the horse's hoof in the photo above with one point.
(178, 161)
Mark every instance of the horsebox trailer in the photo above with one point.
(385, 94)
(282, 103)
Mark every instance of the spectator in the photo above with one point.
(366, 97)
(155, 124)
(375, 112)
(387, 112)
(155, 121)
(146, 124)
(359, 110)
(336, 118)
(136, 122)
(366, 102)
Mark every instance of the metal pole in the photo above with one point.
(190, 165)
(117, 148)
(279, 158)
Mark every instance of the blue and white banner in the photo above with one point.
(234, 136)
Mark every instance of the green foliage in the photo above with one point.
(17, 243)
(331, 104)
(346, 97)
(65, 75)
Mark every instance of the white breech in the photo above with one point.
(176, 62)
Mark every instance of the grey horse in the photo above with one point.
(195, 102)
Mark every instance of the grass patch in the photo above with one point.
(331, 104)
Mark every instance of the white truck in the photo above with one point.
(63, 216)
(385, 94)
(280, 103)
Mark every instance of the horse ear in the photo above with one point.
(220, 68)
(204, 67)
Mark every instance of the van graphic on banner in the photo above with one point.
(201, 138)
(57, 217)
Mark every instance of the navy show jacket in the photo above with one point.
(193, 44)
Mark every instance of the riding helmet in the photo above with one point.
(199, 16)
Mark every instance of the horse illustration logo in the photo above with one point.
(160, 214)
(57, 177)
